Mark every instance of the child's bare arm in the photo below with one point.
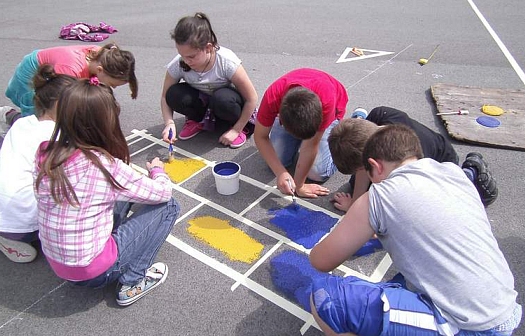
(167, 113)
(346, 238)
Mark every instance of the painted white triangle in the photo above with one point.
(368, 54)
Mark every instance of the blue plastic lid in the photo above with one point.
(488, 121)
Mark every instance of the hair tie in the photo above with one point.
(113, 47)
(94, 81)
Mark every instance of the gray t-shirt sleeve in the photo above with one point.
(174, 69)
(229, 62)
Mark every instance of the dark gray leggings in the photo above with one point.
(226, 103)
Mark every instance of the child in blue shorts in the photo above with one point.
(430, 219)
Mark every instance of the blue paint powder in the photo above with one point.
(303, 226)
(370, 246)
(292, 275)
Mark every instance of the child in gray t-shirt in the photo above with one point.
(431, 221)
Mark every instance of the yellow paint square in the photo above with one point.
(181, 169)
(231, 241)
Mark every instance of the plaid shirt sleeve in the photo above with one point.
(140, 188)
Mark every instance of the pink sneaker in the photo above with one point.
(239, 140)
(190, 129)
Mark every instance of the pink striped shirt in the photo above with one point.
(74, 237)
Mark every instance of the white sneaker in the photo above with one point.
(3, 112)
(4, 127)
(17, 251)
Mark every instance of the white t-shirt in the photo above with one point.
(219, 76)
(18, 210)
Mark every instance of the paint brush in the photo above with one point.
(170, 148)
(294, 198)
(460, 112)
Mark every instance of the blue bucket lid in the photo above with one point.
(488, 121)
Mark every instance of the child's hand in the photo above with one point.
(166, 133)
(286, 184)
(342, 201)
(156, 162)
(227, 138)
(312, 190)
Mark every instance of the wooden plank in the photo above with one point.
(510, 134)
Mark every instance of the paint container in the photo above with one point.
(227, 177)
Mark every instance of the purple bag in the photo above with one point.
(208, 122)
(86, 32)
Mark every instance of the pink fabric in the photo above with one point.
(86, 32)
(330, 91)
(99, 265)
(69, 60)
(75, 236)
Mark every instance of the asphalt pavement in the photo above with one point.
(480, 44)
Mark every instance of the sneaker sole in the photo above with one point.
(129, 301)
(237, 146)
(18, 252)
(189, 137)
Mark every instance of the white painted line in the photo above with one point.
(160, 142)
(248, 283)
(308, 324)
(254, 203)
(381, 269)
(142, 149)
(243, 279)
(379, 67)
(498, 41)
(374, 53)
(135, 135)
(258, 263)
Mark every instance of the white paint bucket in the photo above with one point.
(227, 177)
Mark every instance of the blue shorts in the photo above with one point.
(354, 305)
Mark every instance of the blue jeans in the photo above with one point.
(139, 238)
(287, 146)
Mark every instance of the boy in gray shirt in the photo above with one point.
(430, 219)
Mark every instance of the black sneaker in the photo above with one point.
(484, 182)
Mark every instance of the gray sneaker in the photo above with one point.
(156, 274)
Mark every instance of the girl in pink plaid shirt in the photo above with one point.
(85, 188)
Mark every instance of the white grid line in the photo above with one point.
(243, 278)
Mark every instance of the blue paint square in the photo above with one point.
(304, 226)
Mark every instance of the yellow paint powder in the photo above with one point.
(180, 169)
(219, 234)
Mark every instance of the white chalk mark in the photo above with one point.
(373, 53)
(379, 67)
(17, 316)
